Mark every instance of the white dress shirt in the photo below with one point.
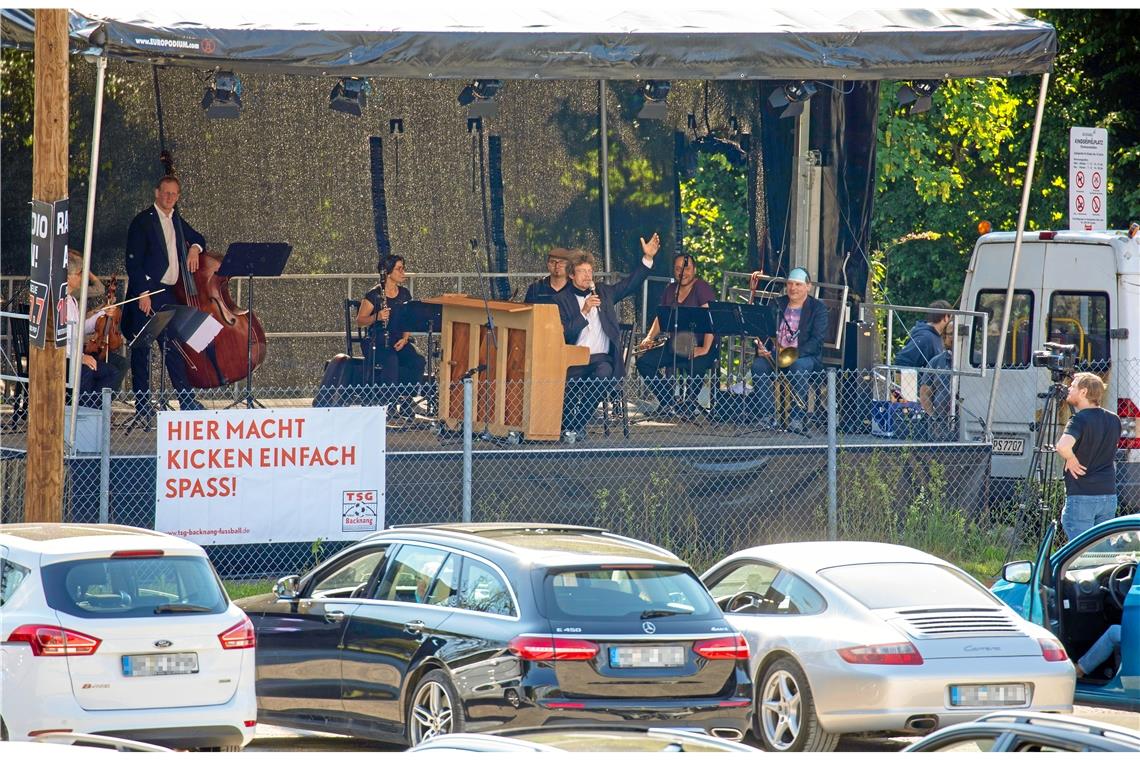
(167, 222)
(592, 334)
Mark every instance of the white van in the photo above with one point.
(1077, 288)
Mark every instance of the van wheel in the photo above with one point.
(785, 711)
(434, 709)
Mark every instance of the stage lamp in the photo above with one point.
(223, 97)
(918, 95)
(350, 95)
(653, 95)
(791, 97)
(479, 97)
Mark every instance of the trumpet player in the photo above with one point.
(687, 353)
(801, 323)
(589, 318)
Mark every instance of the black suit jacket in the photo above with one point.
(573, 322)
(813, 324)
(147, 259)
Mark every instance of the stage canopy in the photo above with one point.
(583, 42)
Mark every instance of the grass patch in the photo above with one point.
(249, 587)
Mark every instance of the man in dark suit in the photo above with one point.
(156, 242)
(589, 318)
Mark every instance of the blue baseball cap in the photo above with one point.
(799, 274)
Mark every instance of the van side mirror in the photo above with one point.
(1017, 572)
(285, 589)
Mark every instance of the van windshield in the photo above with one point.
(134, 587)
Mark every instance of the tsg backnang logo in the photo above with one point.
(358, 512)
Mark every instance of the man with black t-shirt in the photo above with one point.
(1088, 447)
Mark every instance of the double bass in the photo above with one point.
(232, 355)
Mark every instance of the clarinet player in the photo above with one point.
(396, 365)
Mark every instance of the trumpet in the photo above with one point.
(657, 342)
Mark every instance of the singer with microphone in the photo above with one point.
(589, 318)
(686, 353)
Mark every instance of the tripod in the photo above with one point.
(1042, 462)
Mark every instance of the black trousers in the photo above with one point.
(93, 381)
(586, 385)
(396, 371)
(140, 355)
(662, 361)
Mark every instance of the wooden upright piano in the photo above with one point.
(522, 387)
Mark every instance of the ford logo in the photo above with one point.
(648, 627)
(163, 643)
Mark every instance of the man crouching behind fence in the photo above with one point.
(1088, 447)
(589, 318)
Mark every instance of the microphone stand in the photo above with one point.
(676, 304)
(484, 292)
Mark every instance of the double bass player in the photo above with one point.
(155, 241)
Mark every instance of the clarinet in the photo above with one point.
(383, 306)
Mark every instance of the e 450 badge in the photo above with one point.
(359, 512)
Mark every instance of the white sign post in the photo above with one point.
(1088, 177)
(248, 476)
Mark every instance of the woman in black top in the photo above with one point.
(396, 360)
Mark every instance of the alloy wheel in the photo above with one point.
(780, 710)
(431, 712)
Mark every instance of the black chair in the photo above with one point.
(615, 396)
(14, 333)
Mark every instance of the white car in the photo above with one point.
(123, 632)
(852, 637)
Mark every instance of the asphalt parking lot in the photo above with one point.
(273, 739)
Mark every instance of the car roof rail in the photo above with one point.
(1043, 719)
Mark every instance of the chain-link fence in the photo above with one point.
(687, 465)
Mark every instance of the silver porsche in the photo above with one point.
(852, 637)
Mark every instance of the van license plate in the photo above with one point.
(172, 664)
(1009, 447)
(647, 657)
(993, 695)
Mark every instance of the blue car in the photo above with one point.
(1078, 593)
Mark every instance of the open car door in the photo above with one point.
(1039, 584)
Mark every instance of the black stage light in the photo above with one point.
(479, 97)
(653, 95)
(223, 97)
(791, 97)
(350, 95)
(918, 94)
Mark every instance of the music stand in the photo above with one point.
(429, 316)
(677, 319)
(251, 260)
(146, 336)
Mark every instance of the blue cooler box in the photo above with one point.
(896, 419)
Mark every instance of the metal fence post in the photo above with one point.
(468, 423)
(832, 462)
(105, 460)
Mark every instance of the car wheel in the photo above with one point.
(785, 711)
(434, 709)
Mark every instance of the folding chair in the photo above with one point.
(616, 394)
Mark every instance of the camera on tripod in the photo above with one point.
(1059, 358)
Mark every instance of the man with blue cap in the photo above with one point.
(801, 323)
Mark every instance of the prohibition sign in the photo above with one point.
(1081, 203)
(1096, 204)
(1096, 180)
(1080, 179)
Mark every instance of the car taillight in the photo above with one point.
(53, 641)
(530, 647)
(902, 653)
(1047, 235)
(726, 648)
(127, 553)
(1128, 413)
(240, 636)
(1052, 650)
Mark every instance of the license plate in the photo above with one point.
(172, 664)
(1009, 447)
(647, 657)
(991, 695)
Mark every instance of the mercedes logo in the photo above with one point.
(648, 627)
(163, 643)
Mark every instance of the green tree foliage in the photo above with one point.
(714, 206)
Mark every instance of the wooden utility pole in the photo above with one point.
(43, 497)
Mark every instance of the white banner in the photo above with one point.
(1088, 178)
(248, 476)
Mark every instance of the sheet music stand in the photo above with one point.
(251, 260)
(417, 315)
(154, 326)
(692, 319)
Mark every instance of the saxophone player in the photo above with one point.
(396, 365)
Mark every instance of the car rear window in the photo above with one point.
(615, 593)
(133, 587)
(882, 585)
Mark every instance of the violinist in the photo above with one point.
(107, 339)
(95, 374)
(390, 353)
(155, 241)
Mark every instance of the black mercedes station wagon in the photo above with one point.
(416, 632)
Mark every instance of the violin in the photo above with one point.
(107, 336)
